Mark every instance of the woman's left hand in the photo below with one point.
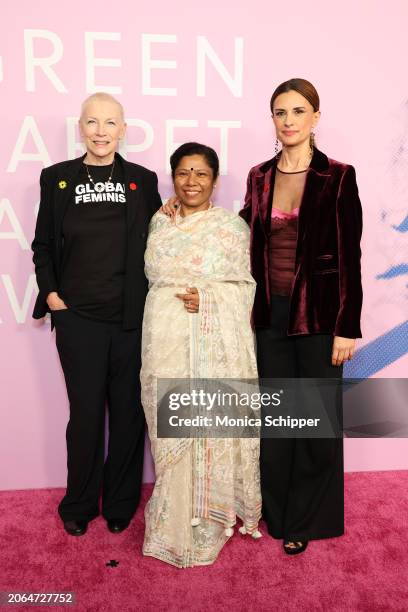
(191, 299)
(343, 350)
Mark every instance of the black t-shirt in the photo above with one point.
(94, 232)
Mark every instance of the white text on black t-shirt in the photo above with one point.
(100, 192)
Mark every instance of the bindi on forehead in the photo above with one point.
(192, 169)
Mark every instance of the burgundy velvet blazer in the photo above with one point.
(326, 293)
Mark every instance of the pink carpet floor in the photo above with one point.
(366, 570)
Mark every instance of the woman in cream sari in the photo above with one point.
(197, 325)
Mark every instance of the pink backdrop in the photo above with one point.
(193, 71)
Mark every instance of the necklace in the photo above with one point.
(298, 172)
(192, 227)
(99, 187)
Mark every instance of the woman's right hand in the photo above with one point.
(170, 207)
(54, 302)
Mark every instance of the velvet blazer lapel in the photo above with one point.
(316, 179)
(264, 182)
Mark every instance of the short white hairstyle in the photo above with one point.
(104, 97)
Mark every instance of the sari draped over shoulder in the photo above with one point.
(202, 485)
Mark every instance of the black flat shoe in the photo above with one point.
(76, 528)
(298, 547)
(118, 525)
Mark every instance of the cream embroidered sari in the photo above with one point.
(204, 481)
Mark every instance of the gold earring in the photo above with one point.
(312, 143)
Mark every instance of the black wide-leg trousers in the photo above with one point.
(302, 480)
(101, 365)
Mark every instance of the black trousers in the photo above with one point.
(101, 365)
(302, 480)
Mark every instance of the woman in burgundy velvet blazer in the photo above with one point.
(326, 295)
(306, 221)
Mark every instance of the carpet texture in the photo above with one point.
(366, 570)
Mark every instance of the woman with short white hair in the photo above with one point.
(88, 253)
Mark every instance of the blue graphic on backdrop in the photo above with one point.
(379, 353)
(402, 227)
(394, 271)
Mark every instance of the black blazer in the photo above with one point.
(57, 189)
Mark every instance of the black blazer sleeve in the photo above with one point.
(155, 200)
(43, 242)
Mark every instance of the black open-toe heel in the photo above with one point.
(298, 547)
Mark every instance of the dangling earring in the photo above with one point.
(311, 143)
(277, 152)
